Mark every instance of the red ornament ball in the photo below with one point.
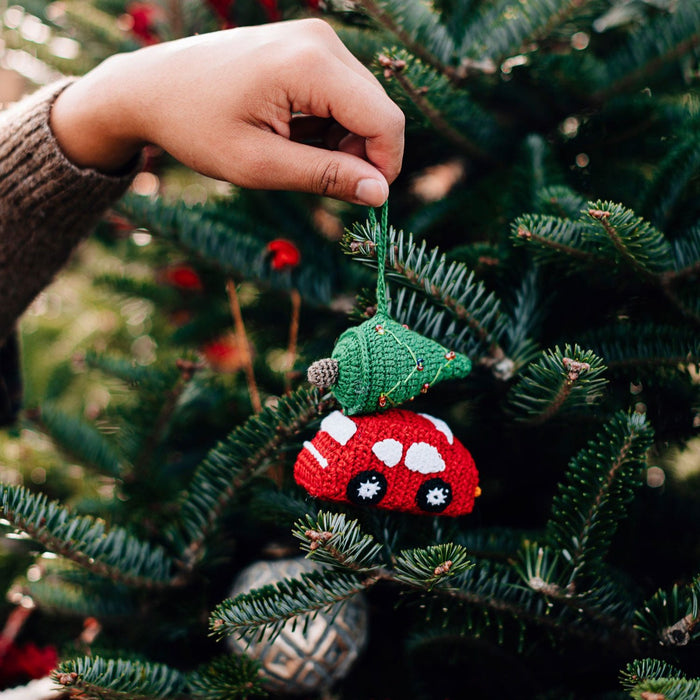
(145, 17)
(183, 277)
(398, 460)
(284, 254)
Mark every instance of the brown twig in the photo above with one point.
(13, 625)
(177, 21)
(293, 338)
(244, 346)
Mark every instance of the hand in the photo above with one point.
(243, 105)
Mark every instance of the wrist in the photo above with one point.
(91, 125)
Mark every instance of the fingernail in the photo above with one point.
(373, 193)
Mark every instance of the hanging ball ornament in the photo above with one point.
(381, 363)
(303, 658)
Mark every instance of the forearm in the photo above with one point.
(47, 204)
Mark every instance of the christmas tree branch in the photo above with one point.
(525, 234)
(79, 440)
(114, 553)
(110, 679)
(378, 12)
(665, 284)
(447, 285)
(500, 599)
(333, 539)
(237, 246)
(600, 482)
(436, 119)
(266, 610)
(227, 678)
(560, 379)
(187, 371)
(238, 458)
(603, 216)
(652, 66)
(542, 568)
(671, 618)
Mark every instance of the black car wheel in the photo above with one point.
(367, 487)
(434, 496)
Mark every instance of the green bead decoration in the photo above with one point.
(380, 363)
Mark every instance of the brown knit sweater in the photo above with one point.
(47, 204)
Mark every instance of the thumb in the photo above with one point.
(280, 164)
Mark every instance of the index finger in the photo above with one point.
(330, 88)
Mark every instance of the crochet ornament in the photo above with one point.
(381, 363)
(398, 460)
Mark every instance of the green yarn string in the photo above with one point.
(381, 237)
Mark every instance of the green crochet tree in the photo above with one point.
(382, 363)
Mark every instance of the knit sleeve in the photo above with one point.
(47, 204)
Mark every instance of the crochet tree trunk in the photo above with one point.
(546, 226)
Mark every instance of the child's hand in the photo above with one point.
(223, 104)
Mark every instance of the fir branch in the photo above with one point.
(546, 572)
(56, 596)
(429, 99)
(113, 553)
(234, 461)
(410, 22)
(169, 401)
(331, 538)
(642, 670)
(560, 201)
(155, 380)
(237, 247)
(264, 611)
(432, 567)
(671, 179)
(667, 689)
(637, 243)
(110, 679)
(686, 251)
(672, 618)
(435, 118)
(504, 28)
(492, 589)
(554, 239)
(79, 440)
(448, 285)
(646, 348)
(559, 382)
(230, 677)
(647, 51)
(599, 483)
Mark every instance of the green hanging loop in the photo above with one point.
(381, 239)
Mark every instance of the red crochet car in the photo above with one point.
(397, 460)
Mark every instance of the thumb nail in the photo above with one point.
(373, 193)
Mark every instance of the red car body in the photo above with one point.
(397, 460)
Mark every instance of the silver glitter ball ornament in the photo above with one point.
(303, 658)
